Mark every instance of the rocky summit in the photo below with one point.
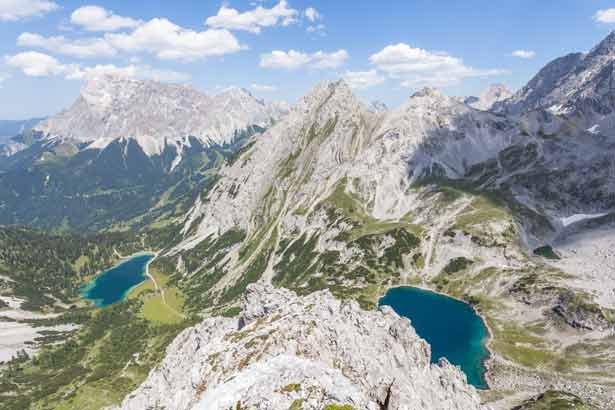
(488, 98)
(288, 352)
(156, 114)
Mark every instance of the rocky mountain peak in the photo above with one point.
(605, 48)
(330, 97)
(154, 113)
(564, 83)
(430, 98)
(428, 92)
(492, 95)
(497, 90)
(237, 92)
(105, 90)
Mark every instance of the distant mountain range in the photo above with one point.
(124, 143)
(11, 128)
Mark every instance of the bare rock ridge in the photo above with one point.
(577, 84)
(156, 114)
(330, 134)
(285, 351)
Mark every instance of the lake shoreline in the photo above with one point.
(490, 357)
(93, 282)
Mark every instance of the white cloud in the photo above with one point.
(317, 29)
(254, 20)
(363, 79)
(169, 41)
(135, 71)
(94, 47)
(527, 54)
(145, 71)
(281, 59)
(292, 59)
(12, 10)
(35, 64)
(312, 14)
(605, 16)
(419, 67)
(263, 88)
(324, 60)
(95, 18)
(313, 29)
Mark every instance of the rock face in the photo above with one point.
(330, 134)
(577, 86)
(156, 114)
(332, 165)
(553, 399)
(488, 98)
(295, 352)
(579, 313)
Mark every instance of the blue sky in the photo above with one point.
(280, 49)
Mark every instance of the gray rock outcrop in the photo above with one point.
(293, 352)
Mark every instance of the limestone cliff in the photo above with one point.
(289, 352)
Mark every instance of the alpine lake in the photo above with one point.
(452, 328)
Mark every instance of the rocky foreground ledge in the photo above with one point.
(315, 352)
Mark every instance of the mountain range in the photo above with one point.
(123, 148)
(477, 204)
(506, 202)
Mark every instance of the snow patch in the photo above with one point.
(569, 220)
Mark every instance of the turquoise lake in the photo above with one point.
(113, 285)
(451, 327)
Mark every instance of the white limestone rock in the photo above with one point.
(488, 98)
(313, 350)
(156, 114)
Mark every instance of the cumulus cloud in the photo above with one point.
(255, 20)
(317, 29)
(322, 60)
(292, 59)
(282, 59)
(312, 14)
(605, 16)
(419, 67)
(35, 64)
(363, 79)
(527, 54)
(263, 88)
(13, 10)
(134, 71)
(169, 41)
(95, 47)
(95, 18)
